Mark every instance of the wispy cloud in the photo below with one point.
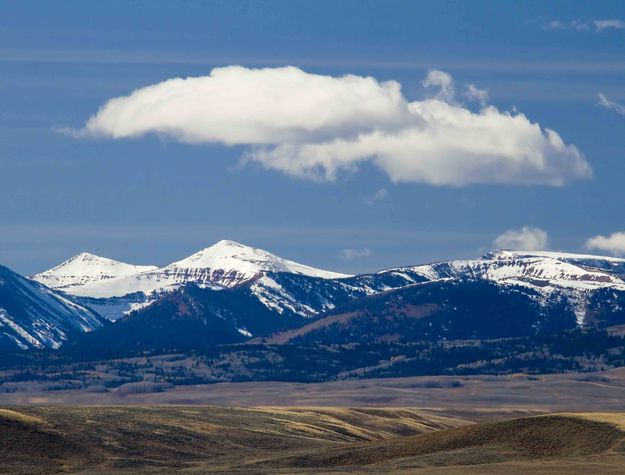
(575, 25)
(379, 195)
(597, 26)
(352, 254)
(601, 25)
(524, 239)
(474, 93)
(614, 106)
(441, 81)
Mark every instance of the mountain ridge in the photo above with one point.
(86, 268)
(35, 316)
(227, 263)
(238, 263)
(248, 293)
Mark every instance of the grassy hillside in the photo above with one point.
(161, 439)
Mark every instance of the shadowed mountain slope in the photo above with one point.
(433, 311)
(35, 316)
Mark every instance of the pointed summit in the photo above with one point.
(230, 257)
(224, 264)
(85, 268)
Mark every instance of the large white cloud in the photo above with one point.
(316, 126)
(613, 244)
(237, 105)
(524, 239)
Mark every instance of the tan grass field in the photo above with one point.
(483, 397)
(209, 439)
(518, 424)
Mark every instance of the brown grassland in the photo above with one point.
(514, 424)
(211, 439)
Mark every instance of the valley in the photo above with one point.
(315, 237)
(236, 360)
(483, 396)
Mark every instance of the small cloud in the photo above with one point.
(601, 25)
(597, 26)
(554, 25)
(612, 244)
(524, 239)
(443, 81)
(351, 254)
(611, 105)
(75, 133)
(381, 194)
(473, 93)
(578, 25)
(575, 25)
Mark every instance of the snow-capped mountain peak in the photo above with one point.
(86, 268)
(230, 256)
(224, 264)
(288, 288)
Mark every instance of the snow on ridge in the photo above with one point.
(246, 260)
(224, 264)
(86, 268)
(5, 319)
(511, 267)
(228, 264)
(504, 254)
(573, 276)
(35, 316)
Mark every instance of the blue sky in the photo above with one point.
(155, 199)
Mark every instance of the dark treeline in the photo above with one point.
(574, 350)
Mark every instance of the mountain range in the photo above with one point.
(232, 293)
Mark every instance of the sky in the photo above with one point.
(350, 135)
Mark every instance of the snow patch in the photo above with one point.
(244, 332)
